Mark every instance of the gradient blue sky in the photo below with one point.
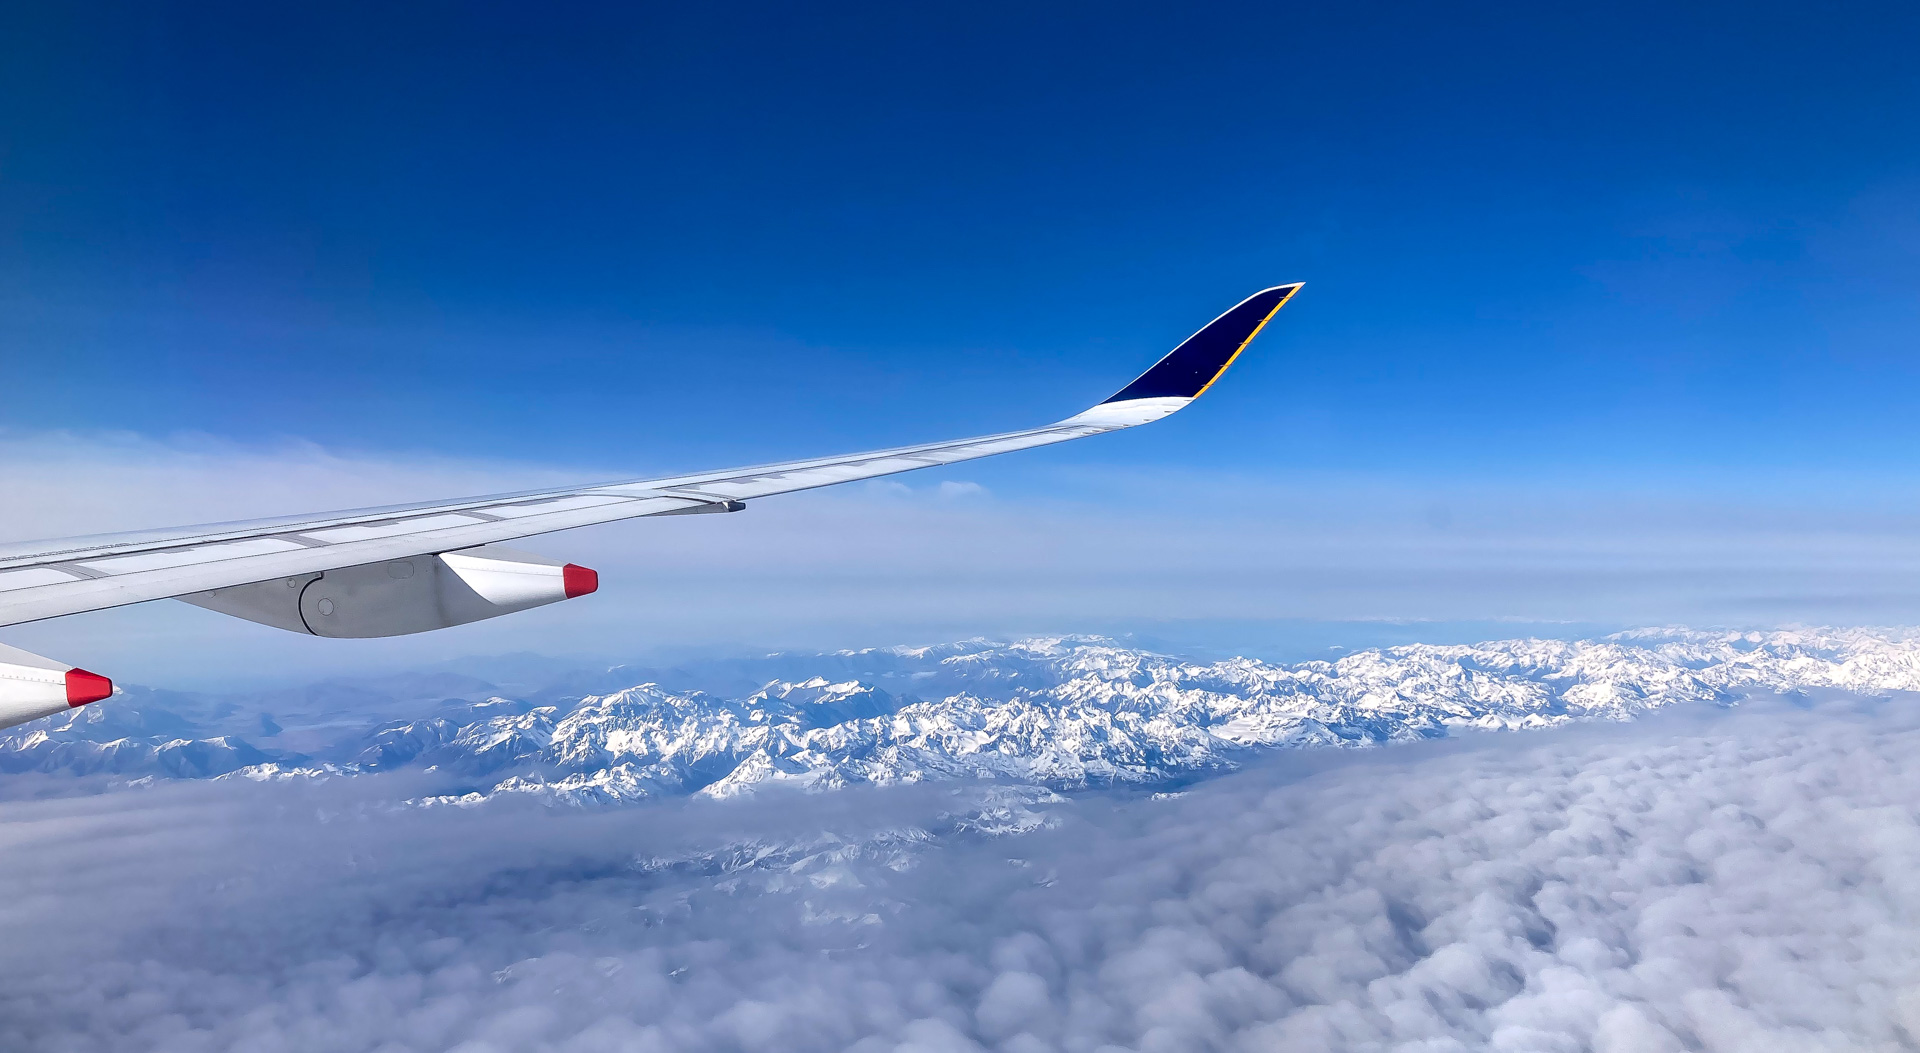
(1666, 246)
(1608, 234)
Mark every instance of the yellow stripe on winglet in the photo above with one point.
(1248, 340)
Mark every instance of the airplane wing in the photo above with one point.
(361, 563)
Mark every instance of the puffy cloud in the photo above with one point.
(1701, 880)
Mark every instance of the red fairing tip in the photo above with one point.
(84, 687)
(578, 580)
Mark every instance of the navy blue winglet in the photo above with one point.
(1193, 366)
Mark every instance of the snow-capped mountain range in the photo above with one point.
(1055, 712)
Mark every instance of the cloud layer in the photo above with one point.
(1700, 880)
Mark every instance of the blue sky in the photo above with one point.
(1548, 251)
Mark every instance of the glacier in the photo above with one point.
(1063, 713)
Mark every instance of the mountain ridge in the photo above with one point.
(1062, 712)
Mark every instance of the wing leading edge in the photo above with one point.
(47, 579)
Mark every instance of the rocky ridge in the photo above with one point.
(1061, 712)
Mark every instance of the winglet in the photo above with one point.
(1191, 368)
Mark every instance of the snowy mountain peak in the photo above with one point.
(1055, 711)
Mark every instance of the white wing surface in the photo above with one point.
(46, 579)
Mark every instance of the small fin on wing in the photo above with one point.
(1192, 367)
